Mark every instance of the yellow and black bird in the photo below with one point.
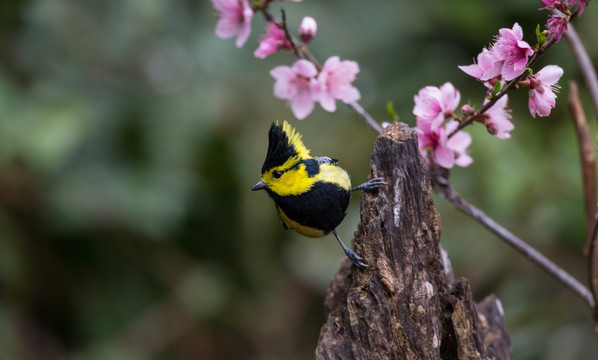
(311, 193)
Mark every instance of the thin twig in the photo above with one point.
(309, 56)
(444, 188)
(364, 114)
(585, 65)
(587, 159)
(471, 118)
(593, 270)
(288, 35)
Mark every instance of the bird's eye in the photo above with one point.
(277, 174)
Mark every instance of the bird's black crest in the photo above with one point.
(283, 142)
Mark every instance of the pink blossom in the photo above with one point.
(458, 144)
(550, 3)
(543, 84)
(235, 19)
(487, 67)
(307, 29)
(432, 144)
(334, 83)
(565, 6)
(272, 41)
(512, 51)
(434, 105)
(499, 118)
(436, 147)
(582, 5)
(556, 26)
(296, 84)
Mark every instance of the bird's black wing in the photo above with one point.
(326, 160)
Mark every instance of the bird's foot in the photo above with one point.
(355, 259)
(370, 185)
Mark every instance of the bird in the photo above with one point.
(311, 194)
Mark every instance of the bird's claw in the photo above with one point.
(371, 184)
(355, 259)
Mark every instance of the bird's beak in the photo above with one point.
(259, 186)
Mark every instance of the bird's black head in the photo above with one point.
(284, 143)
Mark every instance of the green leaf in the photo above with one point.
(391, 111)
(540, 35)
(497, 88)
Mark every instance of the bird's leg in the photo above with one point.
(370, 185)
(355, 259)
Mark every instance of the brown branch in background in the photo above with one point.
(588, 168)
(585, 65)
(587, 157)
(593, 270)
(591, 80)
(444, 188)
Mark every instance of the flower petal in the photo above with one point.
(463, 160)
(346, 94)
(549, 75)
(541, 105)
(327, 102)
(227, 28)
(444, 157)
(305, 68)
(302, 104)
(450, 97)
(473, 70)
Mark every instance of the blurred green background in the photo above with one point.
(130, 136)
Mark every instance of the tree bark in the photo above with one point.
(405, 305)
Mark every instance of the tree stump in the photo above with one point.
(405, 305)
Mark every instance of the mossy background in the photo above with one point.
(130, 136)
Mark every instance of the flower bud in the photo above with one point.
(307, 29)
(467, 110)
(492, 128)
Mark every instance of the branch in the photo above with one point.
(444, 188)
(288, 35)
(587, 158)
(585, 65)
(593, 270)
(367, 117)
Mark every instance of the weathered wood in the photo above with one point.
(403, 306)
